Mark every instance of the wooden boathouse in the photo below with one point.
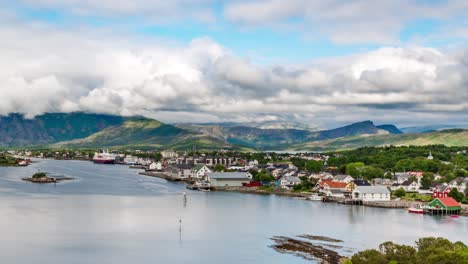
(443, 206)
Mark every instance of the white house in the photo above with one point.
(371, 193)
(410, 186)
(180, 171)
(343, 178)
(200, 171)
(155, 166)
(459, 183)
(130, 160)
(288, 181)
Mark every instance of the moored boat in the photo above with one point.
(416, 209)
(314, 197)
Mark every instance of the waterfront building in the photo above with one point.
(155, 166)
(228, 179)
(200, 171)
(444, 205)
(288, 182)
(371, 193)
(180, 171)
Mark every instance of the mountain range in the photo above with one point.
(83, 130)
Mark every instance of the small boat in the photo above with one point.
(314, 197)
(416, 209)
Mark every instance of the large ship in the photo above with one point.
(104, 157)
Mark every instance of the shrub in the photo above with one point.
(400, 192)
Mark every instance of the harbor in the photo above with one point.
(109, 207)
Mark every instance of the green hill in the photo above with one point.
(145, 133)
(452, 137)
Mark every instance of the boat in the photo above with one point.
(314, 197)
(104, 157)
(416, 209)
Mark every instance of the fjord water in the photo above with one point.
(110, 214)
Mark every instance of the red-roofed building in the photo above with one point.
(445, 203)
(329, 184)
(331, 188)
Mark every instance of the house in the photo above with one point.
(381, 181)
(167, 154)
(288, 181)
(410, 186)
(371, 193)
(200, 171)
(322, 176)
(401, 177)
(328, 185)
(343, 178)
(441, 191)
(355, 183)
(180, 171)
(445, 205)
(227, 179)
(335, 193)
(155, 166)
(459, 183)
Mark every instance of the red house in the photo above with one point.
(441, 191)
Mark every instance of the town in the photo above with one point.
(419, 177)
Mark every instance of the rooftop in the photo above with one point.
(372, 189)
(228, 175)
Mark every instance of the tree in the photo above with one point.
(455, 194)
(219, 167)
(426, 180)
(38, 175)
(371, 172)
(370, 256)
(388, 175)
(314, 166)
(354, 169)
(264, 177)
(466, 189)
(429, 250)
(400, 192)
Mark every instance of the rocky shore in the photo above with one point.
(47, 180)
(308, 248)
(41, 177)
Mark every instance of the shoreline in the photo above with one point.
(393, 204)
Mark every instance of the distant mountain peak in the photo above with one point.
(392, 129)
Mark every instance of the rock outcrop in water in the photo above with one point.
(309, 250)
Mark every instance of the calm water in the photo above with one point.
(109, 214)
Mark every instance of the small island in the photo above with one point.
(41, 177)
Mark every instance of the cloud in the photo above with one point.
(158, 11)
(49, 70)
(344, 22)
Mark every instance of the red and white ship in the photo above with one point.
(104, 157)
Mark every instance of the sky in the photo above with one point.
(323, 63)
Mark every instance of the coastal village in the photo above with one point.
(305, 175)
